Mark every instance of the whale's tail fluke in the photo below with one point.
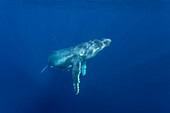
(44, 69)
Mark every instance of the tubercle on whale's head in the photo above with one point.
(106, 41)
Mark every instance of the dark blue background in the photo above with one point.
(130, 76)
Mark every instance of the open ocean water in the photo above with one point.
(132, 75)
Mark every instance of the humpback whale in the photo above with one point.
(76, 57)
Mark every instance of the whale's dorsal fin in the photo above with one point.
(76, 71)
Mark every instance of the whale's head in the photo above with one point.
(106, 42)
(100, 43)
(95, 46)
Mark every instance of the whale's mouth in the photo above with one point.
(106, 42)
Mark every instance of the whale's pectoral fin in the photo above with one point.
(83, 68)
(76, 70)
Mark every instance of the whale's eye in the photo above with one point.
(82, 52)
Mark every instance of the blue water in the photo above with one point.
(130, 76)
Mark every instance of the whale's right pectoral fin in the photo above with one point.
(76, 70)
(83, 68)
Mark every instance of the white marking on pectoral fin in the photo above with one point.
(76, 70)
(76, 88)
(83, 68)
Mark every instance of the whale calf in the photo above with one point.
(76, 57)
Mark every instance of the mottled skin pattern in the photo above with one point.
(76, 57)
